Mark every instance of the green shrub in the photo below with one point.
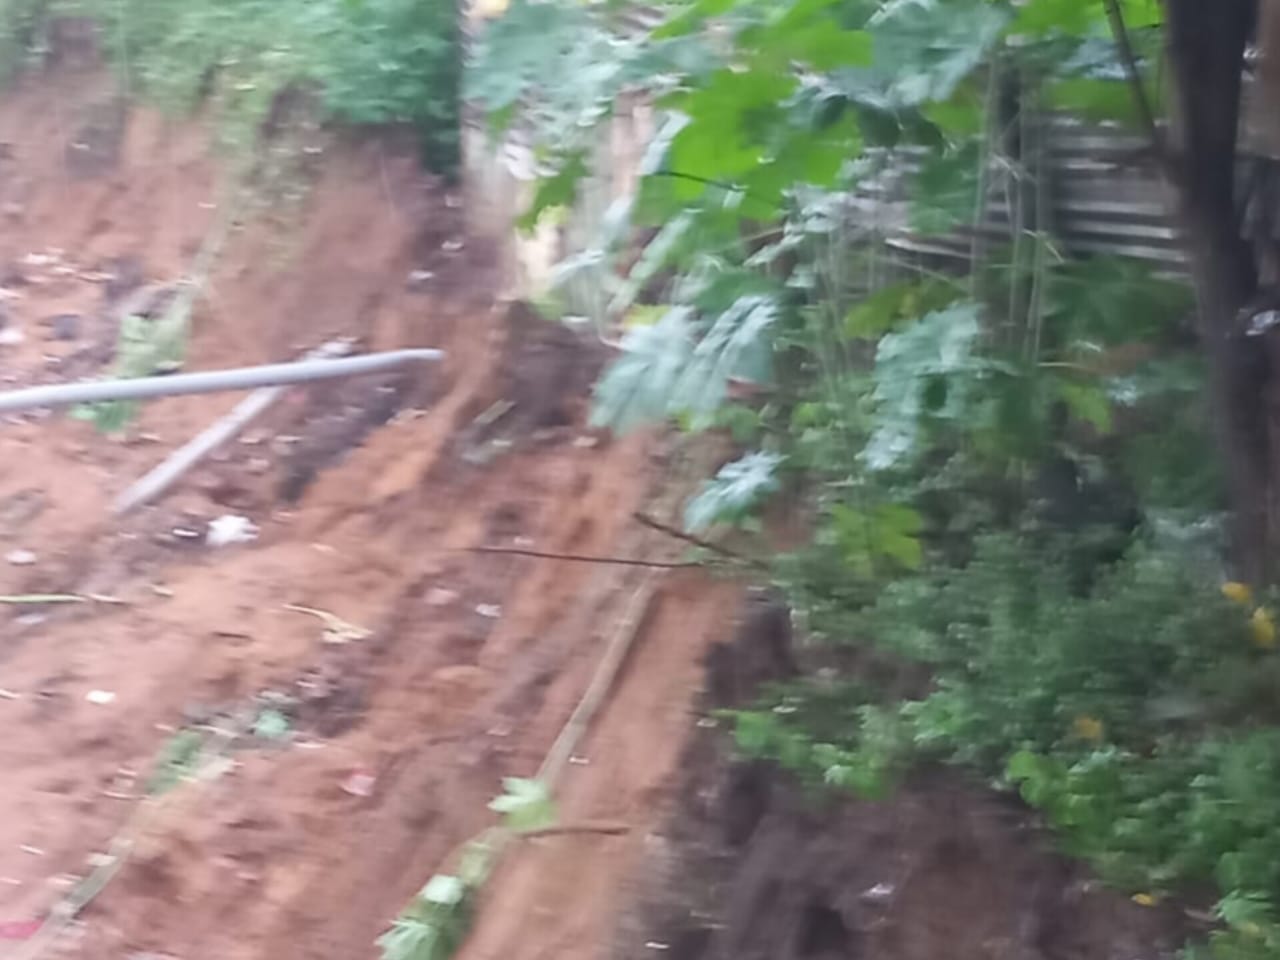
(360, 62)
(1140, 717)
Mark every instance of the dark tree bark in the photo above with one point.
(1206, 45)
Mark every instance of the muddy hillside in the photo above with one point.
(250, 718)
(403, 673)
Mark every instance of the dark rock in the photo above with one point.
(64, 326)
(11, 275)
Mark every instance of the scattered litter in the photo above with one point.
(30, 850)
(708, 723)
(271, 725)
(19, 929)
(230, 529)
(523, 542)
(656, 945)
(9, 695)
(490, 611)
(65, 326)
(881, 891)
(21, 558)
(441, 597)
(34, 598)
(452, 246)
(186, 533)
(100, 697)
(99, 859)
(406, 415)
(161, 591)
(336, 630)
(580, 761)
(586, 442)
(359, 784)
(11, 337)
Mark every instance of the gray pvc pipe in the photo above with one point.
(215, 381)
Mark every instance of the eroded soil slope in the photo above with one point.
(368, 498)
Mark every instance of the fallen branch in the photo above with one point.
(601, 684)
(23, 599)
(336, 630)
(583, 558)
(689, 538)
(568, 829)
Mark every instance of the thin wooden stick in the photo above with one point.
(607, 828)
(689, 538)
(601, 684)
(583, 558)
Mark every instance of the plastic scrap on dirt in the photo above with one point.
(18, 929)
(359, 783)
(230, 529)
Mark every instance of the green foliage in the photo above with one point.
(867, 539)
(667, 369)
(21, 23)
(735, 490)
(361, 62)
(923, 372)
(179, 759)
(526, 805)
(786, 728)
(436, 922)
(985, 461)
(435, 925)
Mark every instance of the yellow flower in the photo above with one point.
(1088, 728)
(1237, 592)
(1263, 629)
(1144, 900)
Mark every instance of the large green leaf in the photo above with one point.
(728, 116)
(924, 49)
(737, 488)
(737, 347)
(638, 387)
(927, 370)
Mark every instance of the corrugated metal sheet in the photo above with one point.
(1103, 198)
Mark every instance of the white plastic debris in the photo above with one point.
(490, 611)
(100, 697)
(881, 891)
(231, 529)
(20, 558)
(441, 597)
(360, 783)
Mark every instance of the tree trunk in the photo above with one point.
(1206, 44)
